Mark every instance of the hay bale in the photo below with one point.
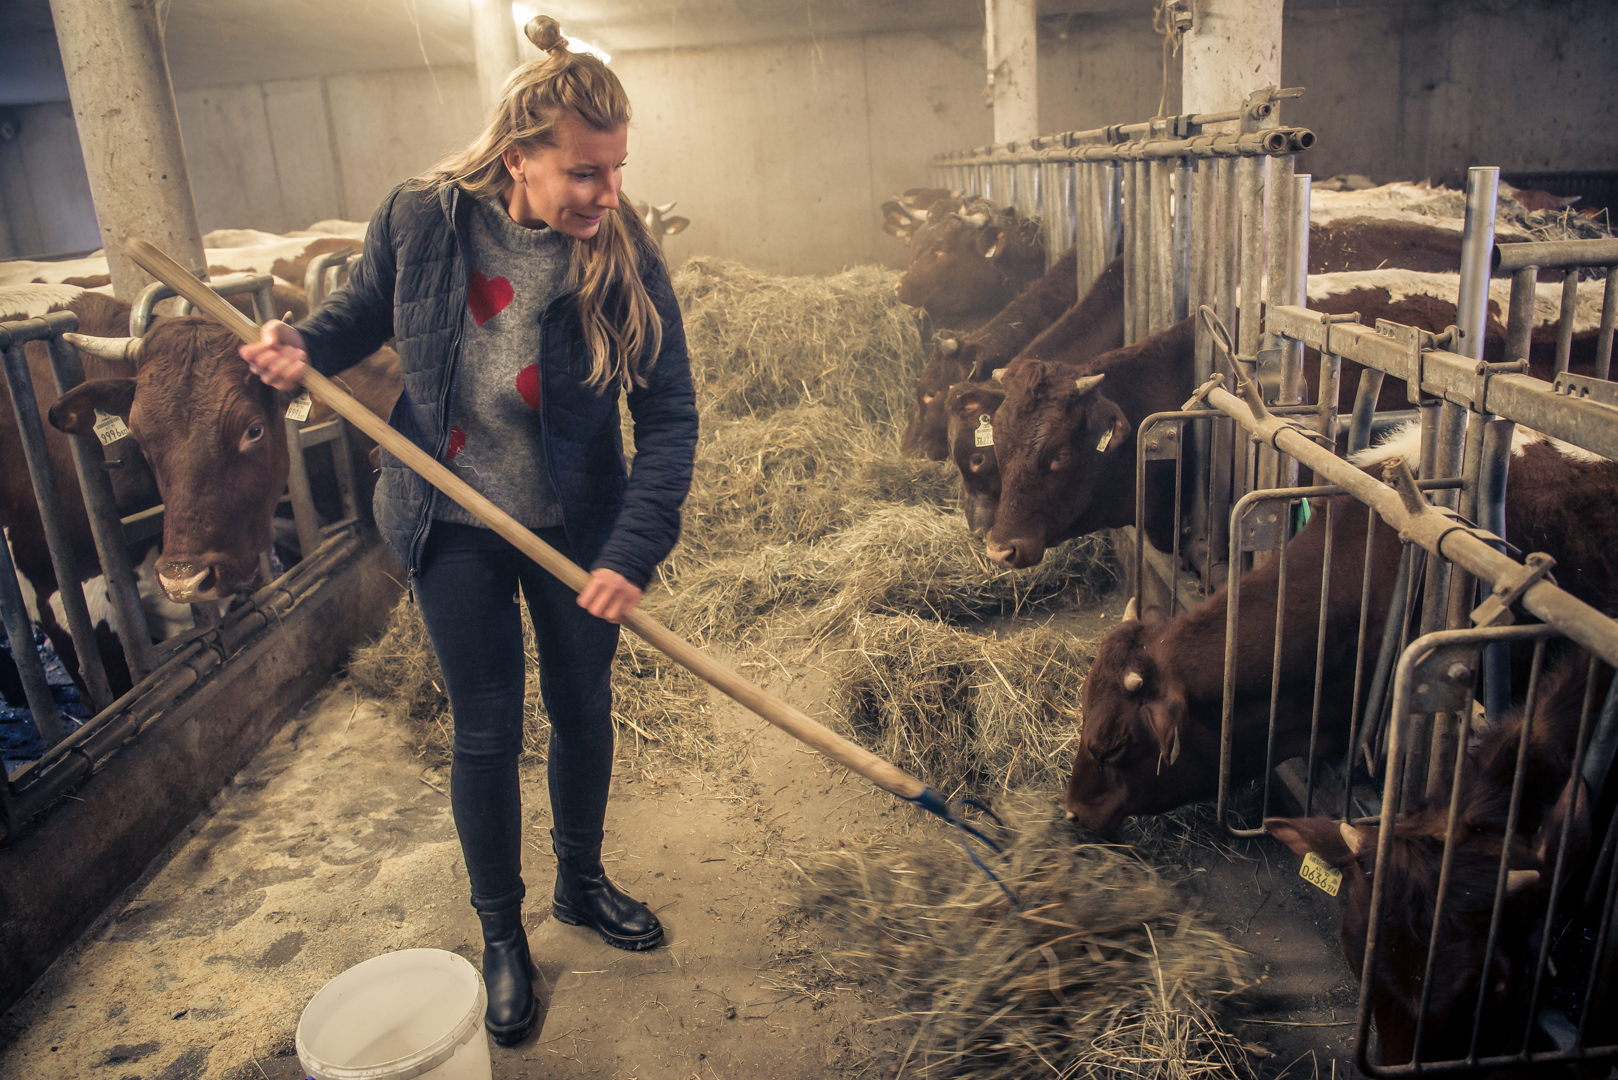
(968, 713)
(658, 706)
(1103, 971)
(761, 343)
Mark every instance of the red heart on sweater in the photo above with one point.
(528, 385)
(457, 442)
(487, 297)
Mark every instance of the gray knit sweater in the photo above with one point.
(495, 440)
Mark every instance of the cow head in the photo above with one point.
(955, 263)
(901, 217)
(658, 221)
(216, 441)
(969, 405)
(1137, 754)
(925, 435)
(1553, 798)
(1053, 434)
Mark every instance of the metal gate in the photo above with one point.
(166, 669)
(1431, 678)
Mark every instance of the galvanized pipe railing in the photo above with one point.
(1271, 142)
(258, 285)
(39, 783)
(1523, 261)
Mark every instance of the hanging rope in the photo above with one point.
(1163, 21)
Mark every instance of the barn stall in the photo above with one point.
(815, 553)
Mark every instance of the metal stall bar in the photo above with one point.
(49, 496)
(1162, 247)
(1134, 269)
(30, 668)
(1267, 143)
(106, 526)
(1434, 674)
(1435, 529)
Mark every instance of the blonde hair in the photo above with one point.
(623, 342)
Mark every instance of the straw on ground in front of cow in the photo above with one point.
(1102, 968)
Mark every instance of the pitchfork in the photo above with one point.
(790, 720)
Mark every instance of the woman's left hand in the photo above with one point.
(609, 595)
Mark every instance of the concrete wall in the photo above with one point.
(275, 156)
(780, 153)
(1410, 91)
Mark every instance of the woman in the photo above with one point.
(522, 296)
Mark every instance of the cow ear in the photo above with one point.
(1166, 716)
(75, 411)
(1107, 427)
(675, 225)
(1317, 834)
(990, 242)
(1574, 803)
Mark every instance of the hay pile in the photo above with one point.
(761, 343)
(968, 713)
(1102, 973)
(657, 704)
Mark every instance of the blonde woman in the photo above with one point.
(523, 297)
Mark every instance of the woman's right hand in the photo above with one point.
(278, 357)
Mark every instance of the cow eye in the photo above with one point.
(253, 434)
(927, 399)
(1060, 460)
(976, 462)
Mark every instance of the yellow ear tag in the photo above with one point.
(1106, 441)
(1321, 874)
(300, 407)
(109, 428)
(984, 435)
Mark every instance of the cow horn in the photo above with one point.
(977, 220)
(1133, 681)
(1132, 609)
(913, 213)
(997, 374)
(1518, 880)
(1357, 841)
(666, 207)
(108, 348)
(1087, 383)
(948, 345)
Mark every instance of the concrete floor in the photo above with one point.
(336, 845)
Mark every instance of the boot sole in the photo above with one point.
(635, 944)
(516, 1033)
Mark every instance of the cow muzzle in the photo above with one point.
(1016, 553)
(187, 582)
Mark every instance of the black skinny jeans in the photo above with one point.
(467, 587)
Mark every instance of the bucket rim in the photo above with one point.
(412, 1065)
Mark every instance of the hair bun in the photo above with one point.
(546, 33)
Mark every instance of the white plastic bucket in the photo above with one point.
(407, 1014)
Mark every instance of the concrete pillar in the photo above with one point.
(123, 103)
(1232, 49)
(1010, 39)
(494, 43)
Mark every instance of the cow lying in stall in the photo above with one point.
(1153, 699)
(1553, 795)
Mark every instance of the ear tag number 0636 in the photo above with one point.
(984, 435)
(300, 407)
(109, 428)
(1321, 874)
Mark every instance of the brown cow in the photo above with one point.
(970, 263)
(1153, 699)
(992, 345)
(1024, 329)
(1552, 795)
(907, 213)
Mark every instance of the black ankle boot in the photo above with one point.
(585, 897)
(508, 976)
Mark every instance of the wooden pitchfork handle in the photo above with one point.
(660, 637)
